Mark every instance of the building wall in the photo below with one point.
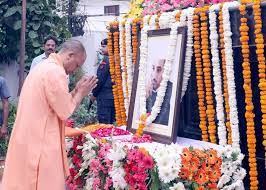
(96, 7)
(95, 26)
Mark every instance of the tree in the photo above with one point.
(42, 20)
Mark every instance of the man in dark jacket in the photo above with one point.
(103, 92)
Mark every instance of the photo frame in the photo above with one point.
(164, 128)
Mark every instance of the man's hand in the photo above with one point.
(86, 85)
(3, 131)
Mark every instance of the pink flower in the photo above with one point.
(104, 149)
(96, 183)
(162, 1)
(70, 123)
(166, 7)
(95, 165)
(76, 160)
(108, 183)
(176, 3)
(148, 162)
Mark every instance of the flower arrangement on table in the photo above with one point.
(110, 165)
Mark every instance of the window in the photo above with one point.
(111, 10)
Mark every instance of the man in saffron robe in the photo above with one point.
(36, 158)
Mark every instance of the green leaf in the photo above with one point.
(17, 25)
(47, 23)
(10, 11)
(194, 185)
(33, 34)
(155, 183)
(36, 26)
(37, 51)
(36, 44)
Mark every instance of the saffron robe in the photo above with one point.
(36, 157)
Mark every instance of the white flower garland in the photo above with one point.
(166, 74)
(167, 19)
(152, 23)
(143, 60)
(189, 50)
(129, 62)
(232, 171)
(230, 72)
(124, 81)
(217, 78)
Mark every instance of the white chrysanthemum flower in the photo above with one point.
(117, 153)
(118, 179)
(239, 174)
(178, 186)
(223, 180)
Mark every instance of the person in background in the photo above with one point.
(36, 157)
(103, 92)
(5, 94)
(49, 46)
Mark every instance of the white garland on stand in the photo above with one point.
(152, 23)
(230, 72)
(129, 62)
(167, 19)
(217, 78)
(124, 81)
(188, 13)
(166, 74)
(142, 64)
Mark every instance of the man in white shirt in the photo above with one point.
(49, 46)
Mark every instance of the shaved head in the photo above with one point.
(73, 54)
(74, 46)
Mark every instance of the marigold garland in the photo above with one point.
(134, 41)
(207, 74)
(199, 76)
(251, 138)
(118, 81)
(157, 21)
(112, 73)
(177, 16)
(261, 59)
(123, 60)
(225, 85)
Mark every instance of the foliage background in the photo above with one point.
(11, 120)
(42, 20)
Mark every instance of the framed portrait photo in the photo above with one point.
(164, 128)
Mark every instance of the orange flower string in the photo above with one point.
(125, 59)
(118, 80)
(251, 138)
(141, 126)
(112, 73)
(177, 16)
(199, 76)
(134, 41)
(157, 23)
(207, 75)
(225, 85)
(261, 59)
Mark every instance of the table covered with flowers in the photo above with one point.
(113, 158)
